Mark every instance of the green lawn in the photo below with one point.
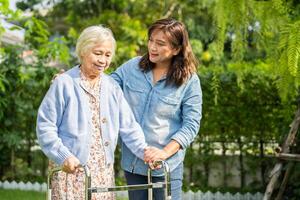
(24, 195)
(21, 195)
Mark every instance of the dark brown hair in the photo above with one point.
(184, 63)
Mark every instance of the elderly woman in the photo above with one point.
(81, 116)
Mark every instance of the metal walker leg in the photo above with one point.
(87, 182)
(88, 190)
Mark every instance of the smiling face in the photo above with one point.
(160, 49)
(97, 59)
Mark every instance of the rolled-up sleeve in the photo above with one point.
(191, 113)
(48, 119)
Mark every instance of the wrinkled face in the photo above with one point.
(98, 58)
(160, 49)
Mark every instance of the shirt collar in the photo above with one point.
(149, 77)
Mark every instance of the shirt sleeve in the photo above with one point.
(48, 120)
(130, 131)
(191, 113)
(121, 73)
(118, 75)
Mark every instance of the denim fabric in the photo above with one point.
(158, 194)
(63, 121)
(165, 113)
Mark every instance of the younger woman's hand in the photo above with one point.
(61, 71)
(153, 154)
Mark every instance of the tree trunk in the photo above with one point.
(262, 164)
(241, 159)
(12, 162)
(206, 167)
(275, 173)
(29, 156)
(44, 166)
(285, 180)
(224, 164)
(191, 168)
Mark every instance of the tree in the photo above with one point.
(22, 86)
(279, 28)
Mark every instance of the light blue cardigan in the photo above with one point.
(64, 120)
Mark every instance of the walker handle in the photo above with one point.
(87, 182)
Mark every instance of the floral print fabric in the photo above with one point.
(71, 186)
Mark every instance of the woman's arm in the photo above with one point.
(153, 154)
(130, 131)
(49, 117)
(191, 113)
(191, 116)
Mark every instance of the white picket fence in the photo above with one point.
(220, 196)
(123, 194)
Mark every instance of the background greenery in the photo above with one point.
(249, 54)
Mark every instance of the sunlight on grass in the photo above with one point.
(26, 195)
(21, 195)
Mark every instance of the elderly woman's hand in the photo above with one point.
(71, 165)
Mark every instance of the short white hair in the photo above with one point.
(91, 36)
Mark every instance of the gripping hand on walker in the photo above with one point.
(152, 155)
(71, 165)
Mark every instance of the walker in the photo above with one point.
(88, 190)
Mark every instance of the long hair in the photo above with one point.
(184, 64)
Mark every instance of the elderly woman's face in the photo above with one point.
(98, 58)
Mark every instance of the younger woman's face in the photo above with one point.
(160, 48)
(98, 58)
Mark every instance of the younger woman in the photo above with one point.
(164, 93)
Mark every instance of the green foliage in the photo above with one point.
(56, 49)
(6, 11)
(129, 20)
(248, 110)
(288, 56)
(9, 14)
(221, 21)
(131, 34)
(36, 32)
(197, 47)
(266, 26)
(238, 19)
(37, 36)
(25, 85)
(215, 85)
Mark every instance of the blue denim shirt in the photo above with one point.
(64, 120)
(165, 113)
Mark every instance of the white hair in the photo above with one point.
(91, 36)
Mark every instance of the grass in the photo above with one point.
(25, 195)
(21, 195)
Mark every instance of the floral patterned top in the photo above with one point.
(71, 187)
